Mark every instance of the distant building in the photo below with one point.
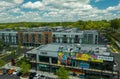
(44, 35)
(90, 37)
(34, 36)
(67, 37)
(74, 35)
(9, 37)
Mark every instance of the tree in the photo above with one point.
(19, 49)
(62, 73)
(115, 24)
(25, 67)
(1, 44)
(2, 62)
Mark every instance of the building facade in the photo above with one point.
(90, 37)
(77, 59)
(72, 36)
(40, 36)
(9, 37)
(67, 37)
(34, 38)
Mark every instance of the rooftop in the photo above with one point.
(80, 48)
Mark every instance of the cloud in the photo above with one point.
(18, 1)
(35, 5)
(113, 8)
(15, 10)
(54, 10)
(5, 4)
(98, 0)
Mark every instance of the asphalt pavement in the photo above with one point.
(9, 77)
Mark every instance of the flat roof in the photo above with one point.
(82, 48)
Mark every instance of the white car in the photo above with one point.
(15, 72)
(37, 76)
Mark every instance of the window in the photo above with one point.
(58, 40)
(21, 38)
(54, 60)
(76, 40)
(70, 40)
(46, 38)
(33, 38)
(39, 37)
(54, 38)
(27, 39)
(44, 59)
(64, 39)
(96, 39)
(90, 38)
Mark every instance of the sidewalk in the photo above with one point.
(9, 66)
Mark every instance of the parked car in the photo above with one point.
(37, 76)
(42, 77)
(17, 72)
(32, 74)
(11, 71)
(5, 71)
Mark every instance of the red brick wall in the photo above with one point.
(49, 37)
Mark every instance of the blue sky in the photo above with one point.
(58, 10)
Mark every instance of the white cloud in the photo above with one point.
(112, 8)
(54, 10)
(18, 1)
(16, 10)
(98, 0)
(5, 4)
(35, 5)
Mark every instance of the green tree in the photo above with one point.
(19, 50)
(62, 73)
(115, 24)
(25, 67)
(2, 62)
(1, 44)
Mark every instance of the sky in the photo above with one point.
(58, 10)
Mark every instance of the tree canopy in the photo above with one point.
(25, 67)
(62, 73)
(115, 23)
(2, 62)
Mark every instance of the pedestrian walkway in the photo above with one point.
(9, 66)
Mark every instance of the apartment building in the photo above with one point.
(90, 37)
(67, 36)
(34, 37)
(44, 35)
(9, 37)
(74, 35)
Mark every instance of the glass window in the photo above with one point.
(54, 60)
(44, 59)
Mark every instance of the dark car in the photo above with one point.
(43, 77)
(19, 74)
(32, 74)
(5, 71)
